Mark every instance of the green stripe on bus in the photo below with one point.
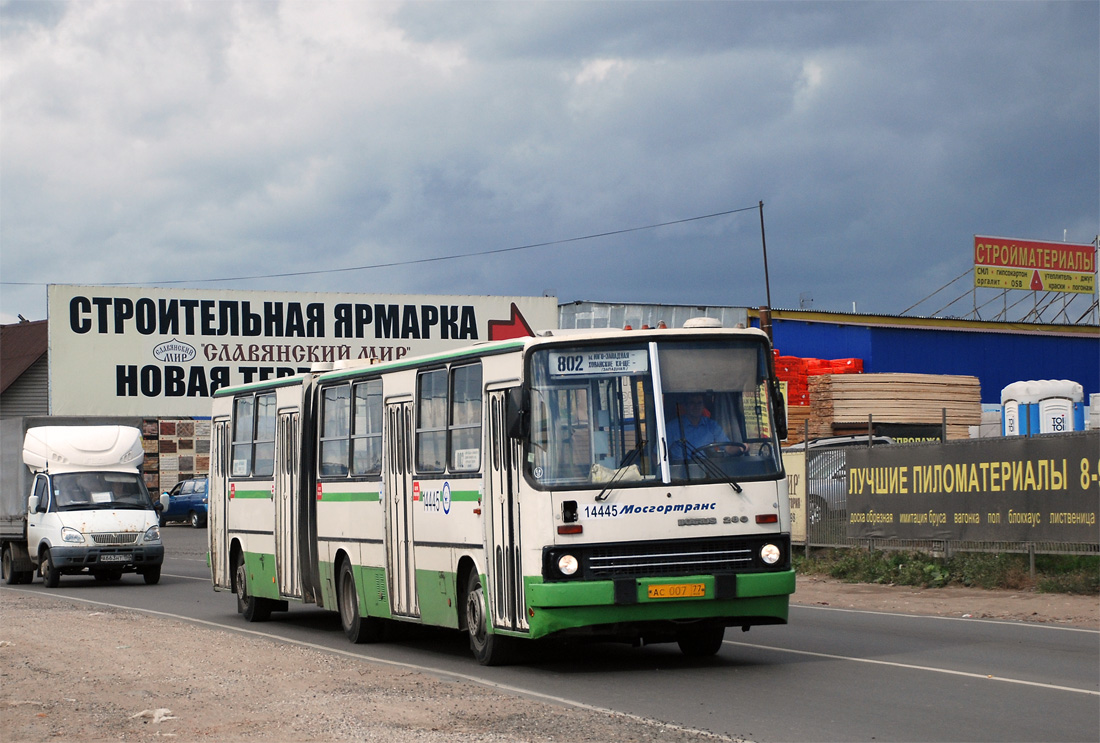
(251, 494)
(465, 495)
(348, 497)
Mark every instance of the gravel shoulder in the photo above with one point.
(113, 681)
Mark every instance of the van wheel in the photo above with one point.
(253, 609)
(10, 576)
(50, 575)
(357, 627)
(151, 575)
(489, 649)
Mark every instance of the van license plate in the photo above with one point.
(677, 591)
(115, 558)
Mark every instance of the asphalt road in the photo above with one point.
(830, 674)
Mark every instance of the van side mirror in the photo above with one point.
(32, 504)
(516, 404)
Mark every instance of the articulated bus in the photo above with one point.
(543, 487)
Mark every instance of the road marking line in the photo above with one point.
(912, 667)
(1020, 623)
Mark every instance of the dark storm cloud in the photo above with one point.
(158, 141)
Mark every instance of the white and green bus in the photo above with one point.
(557, 486)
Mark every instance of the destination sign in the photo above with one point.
(595, 362)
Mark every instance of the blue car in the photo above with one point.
(186, 502)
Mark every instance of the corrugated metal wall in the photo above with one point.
(28, 395)
(996, 358)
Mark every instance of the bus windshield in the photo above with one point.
(687, 411)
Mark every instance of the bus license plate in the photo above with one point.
(677, 591)
(114, 558)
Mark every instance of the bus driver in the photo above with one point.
(691, 432)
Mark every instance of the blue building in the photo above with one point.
(997, 353)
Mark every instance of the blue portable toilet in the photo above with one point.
(1017, 400)
(1042, 406)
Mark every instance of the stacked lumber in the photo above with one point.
(797, 415)
(842, 403)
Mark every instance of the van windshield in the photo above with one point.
(83, 490)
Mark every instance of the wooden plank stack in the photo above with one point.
(841, 403)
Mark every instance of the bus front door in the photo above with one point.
(504, 568)
(400, 555)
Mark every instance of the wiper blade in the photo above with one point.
(627, 461)
(710, 467)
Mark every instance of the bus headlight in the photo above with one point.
(567, 564)
(770, 554)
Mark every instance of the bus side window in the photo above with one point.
(431, 421)
(465, 427)
(335, 428)
(242, 437)
(366, 433)
(264, 462)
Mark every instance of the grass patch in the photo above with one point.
(1079, 574)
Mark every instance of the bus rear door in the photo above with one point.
(400, 555)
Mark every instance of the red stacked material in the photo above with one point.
(796, 372)
(846, 366)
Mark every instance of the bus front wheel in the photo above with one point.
(489, 649)
(702, 641)
(252, 608)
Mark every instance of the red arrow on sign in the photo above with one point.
(1036, 282)
(514, 327)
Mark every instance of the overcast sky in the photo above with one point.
(149, 142)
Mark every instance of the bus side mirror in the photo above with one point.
(779, 411)
(515, 413)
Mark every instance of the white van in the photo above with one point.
(89, 510)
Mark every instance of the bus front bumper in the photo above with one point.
(735, 600)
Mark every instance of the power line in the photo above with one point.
(417, 261)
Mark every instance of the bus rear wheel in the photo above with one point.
(252, 608)
(489, 649)
(358, 628)
(701, 641)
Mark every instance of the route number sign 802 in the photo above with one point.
(588, 363)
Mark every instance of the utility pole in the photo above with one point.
(766, 310)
